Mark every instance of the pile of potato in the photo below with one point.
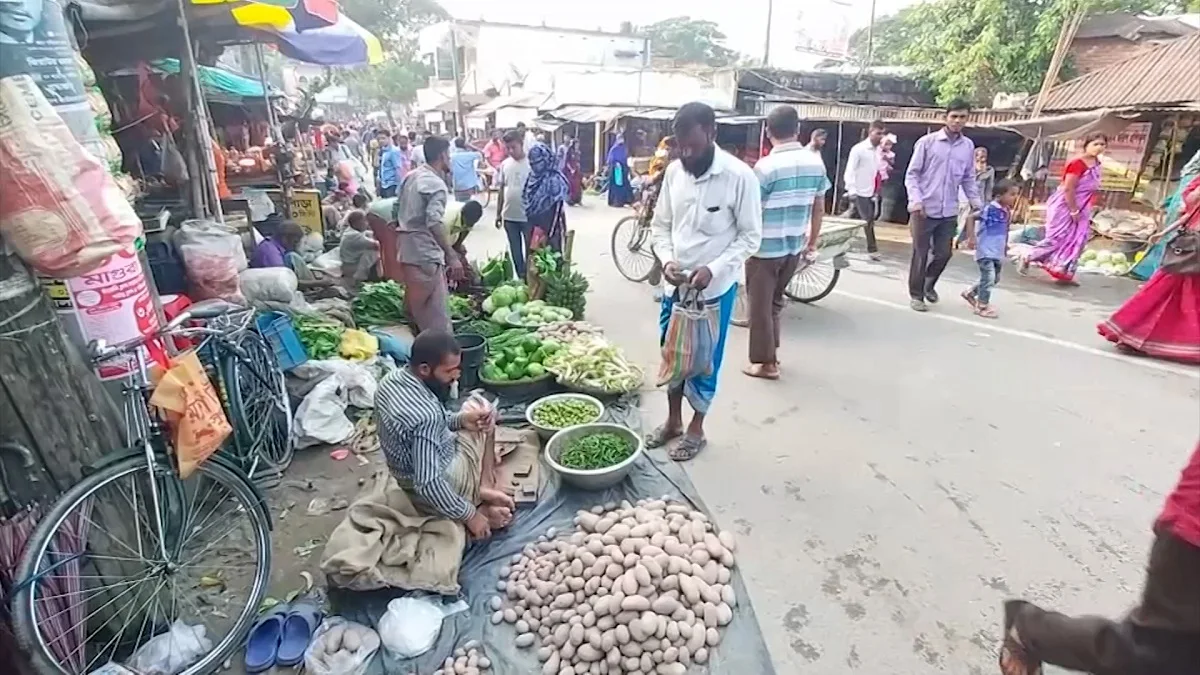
(635, 590)
(467, 660)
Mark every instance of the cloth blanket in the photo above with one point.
(385, 541)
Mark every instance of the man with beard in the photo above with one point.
(447, 473)
(707, 222)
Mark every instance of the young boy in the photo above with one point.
(991, 243)
(358, 250)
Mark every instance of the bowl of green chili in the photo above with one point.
(593, 456)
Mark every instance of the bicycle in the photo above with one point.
(138, 547)
(631, 247)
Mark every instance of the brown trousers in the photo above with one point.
(425, 296)
(766, 278)
(1160, 637)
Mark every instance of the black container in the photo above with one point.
(473, 351)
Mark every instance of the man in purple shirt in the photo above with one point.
(942, 162)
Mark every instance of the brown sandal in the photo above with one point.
(1014, 657)
(688, 448)
(759, 371)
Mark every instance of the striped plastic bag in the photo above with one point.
(690, 342)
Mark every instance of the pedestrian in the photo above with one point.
(816, 140)
(544, 197)
(620, 188)
(1163, 318)
(417, 143)
(391, 165)
(527, 137)
(862, 180)
(941, 163)
(444, 471)
(464, 169)
(510, 210)
(573, 170)
(1161, 636)
(707, 222)
(494, 154)
(985, 178)
(991, 246)
(793, 184)
(427, 259)
(1069, 215)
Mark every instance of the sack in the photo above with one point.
(169, 653)
(193, 411)
(411, 625)
(60, 209)
(213, 256)
(268, 284)
(690, 342)
(174, 168)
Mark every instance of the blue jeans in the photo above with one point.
(519, 234)
(989, 274)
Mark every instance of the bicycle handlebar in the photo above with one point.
(100, 351)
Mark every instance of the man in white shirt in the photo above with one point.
(862, 180)
(527, 135)
(707, 222)
(510, 211)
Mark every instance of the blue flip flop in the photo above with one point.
(298, 628)
(262, 645)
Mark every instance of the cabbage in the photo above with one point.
(488, 306)
(1119, 258)
(1121, 268)
(503, 296)
(1104, 256)
(1087, 256)
(1090, 264)
(500, 316)
(1107, 267)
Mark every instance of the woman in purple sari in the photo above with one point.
(1069, 214)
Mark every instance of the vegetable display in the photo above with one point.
(502, 298)
(643, 588)
(379, 304)
(1105, 261)
(496, 271)
(567, 289)
(484, 327)
(459, 307)
(564, 413)
(568, 331)
(594, 364)
(534, 314)
(516, 355)
(596, 451)
(320, 336)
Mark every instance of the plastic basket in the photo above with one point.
(276, 328)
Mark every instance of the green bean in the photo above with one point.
(565, 413)
(596, 451)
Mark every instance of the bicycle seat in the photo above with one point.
(205, 309)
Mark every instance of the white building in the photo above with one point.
(805, 33)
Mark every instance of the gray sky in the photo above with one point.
(744, 21)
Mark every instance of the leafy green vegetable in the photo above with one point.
(320, 336)
(482, 327)
(596, 451)
(459, 307)
(379, 304)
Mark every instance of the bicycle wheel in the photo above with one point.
(631, 249)
(103, 582)
(258, 403)
(812, 282)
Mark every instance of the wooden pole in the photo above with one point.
(460, 121)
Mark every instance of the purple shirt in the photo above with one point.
(939, 167)
(269, 253)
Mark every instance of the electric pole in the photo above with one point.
(767, 41)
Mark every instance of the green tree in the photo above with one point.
(689, 41)
(397, 79)
(975, 48)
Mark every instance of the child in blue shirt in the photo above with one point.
(991, 243)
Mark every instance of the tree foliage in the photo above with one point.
(689, 41)
(976, 48)
(395, 23)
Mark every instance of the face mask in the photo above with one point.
(698, 164)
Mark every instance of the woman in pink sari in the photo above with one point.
(1069, 214)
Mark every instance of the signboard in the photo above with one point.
(113, 304)
(1120, 163)
(306, 209)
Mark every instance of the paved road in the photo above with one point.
(912, 471)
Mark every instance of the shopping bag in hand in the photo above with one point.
(690, 342)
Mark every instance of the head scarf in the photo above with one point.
(547, 186)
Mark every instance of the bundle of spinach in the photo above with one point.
(459, 307)
(320, 336)
(379, 304)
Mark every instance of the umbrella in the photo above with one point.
(345, 43)
(280, 14)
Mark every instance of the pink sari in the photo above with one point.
(1058, 253)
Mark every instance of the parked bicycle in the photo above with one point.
(133, 550)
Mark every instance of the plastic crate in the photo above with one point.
(276, 328)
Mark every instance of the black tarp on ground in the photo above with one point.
(742, 650)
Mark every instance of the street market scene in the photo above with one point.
(443, 337)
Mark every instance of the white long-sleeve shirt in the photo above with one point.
(713, 221)
(862, 168)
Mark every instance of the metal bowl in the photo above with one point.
(593, 479)
(546, 432)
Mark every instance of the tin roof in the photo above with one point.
(1161, 75)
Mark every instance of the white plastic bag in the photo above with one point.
(318, 660)
(213, 257)
(171, 652)
(356, 376)
(321, 417)
(411, 625)
(269, 284)
(328, 263)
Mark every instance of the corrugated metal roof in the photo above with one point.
(867, 113)
(1160, 75)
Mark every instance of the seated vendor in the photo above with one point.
(278, 249)
(358, 250)
(446, 474)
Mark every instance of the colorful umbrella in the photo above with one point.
(300, 15)
(345, 43)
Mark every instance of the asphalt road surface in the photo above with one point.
(911, 471)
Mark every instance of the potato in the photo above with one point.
(484, 663)
(712, 637)
(525, 640)
(497, 617)
(670, 668)
(602, 526)
(700, 656)
(551, 666)
(606, 623)
(724, 614)
(334, 638)
(635, 603)
(351, 640)
(575, 634)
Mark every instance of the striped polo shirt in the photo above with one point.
(416, 434)
(792, 178)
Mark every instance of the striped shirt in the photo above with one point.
(417, 437)
(792, 178)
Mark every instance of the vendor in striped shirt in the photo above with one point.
(793, 183)
(437, 457)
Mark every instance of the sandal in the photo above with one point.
(262, 645)
(661, 436)
(986, 312)
(760, 371)
(1014, 657)
(966, 295)
(688, 448)
(298, 628)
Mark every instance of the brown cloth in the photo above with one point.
(1160, 637)
(766, 279)
(425, 296)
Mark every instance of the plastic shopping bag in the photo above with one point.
(340, 647)
(193, 411)
(213, 257)
(690, 342)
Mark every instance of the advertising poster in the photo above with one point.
(113, 304)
